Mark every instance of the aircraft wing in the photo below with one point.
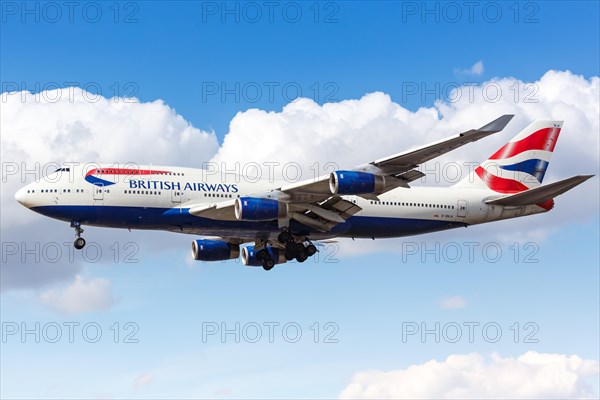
(318, 203)
(402, 162)
(398, 169)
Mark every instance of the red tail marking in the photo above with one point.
(500, 185)
(544, 139)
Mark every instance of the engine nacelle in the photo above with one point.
(249, 256)
(355, 182)
(258, 209)
(214, 250)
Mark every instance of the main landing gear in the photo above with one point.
(295, 248)
(264, 256)
(267, 261)
(79, 241)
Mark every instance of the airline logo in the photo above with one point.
(91, 175)
(132, 176)
(521, 163)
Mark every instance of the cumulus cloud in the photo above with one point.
(353, 132)
(454, 302)
(475, 70)
(42, 130)
(346, 133)
(530, 375)
(81, 296)
(71, 124)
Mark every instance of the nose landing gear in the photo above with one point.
(79, 241)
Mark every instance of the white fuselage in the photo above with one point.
(111, 198)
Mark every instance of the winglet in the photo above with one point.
(498, 124)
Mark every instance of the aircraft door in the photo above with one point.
(98, 193)
(461, 208)
(176, 197)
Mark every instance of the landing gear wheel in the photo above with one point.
(268, 264)
(301, 256)
(284, 237)
(262, 255)
(311, 249)
(289, 253)
(79, 243)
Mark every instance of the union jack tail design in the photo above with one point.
(521, 163)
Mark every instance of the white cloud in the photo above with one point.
(81, 296)
(453, 302)
(144, 379)
(530, 375)
(353, 132)
(348, 133)
(475, 70)
(82, 127)
(70, 124)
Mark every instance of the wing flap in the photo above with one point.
(221, 211)
(343, 207)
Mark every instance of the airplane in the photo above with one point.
(275, 222)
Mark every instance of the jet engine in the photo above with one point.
(258, 209)
(249, 256)
(214, 250)
(355, 182)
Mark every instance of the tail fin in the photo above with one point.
(521, 163)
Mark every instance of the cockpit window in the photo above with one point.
(63, 169)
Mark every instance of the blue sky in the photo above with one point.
(178, 52)
(369, 48)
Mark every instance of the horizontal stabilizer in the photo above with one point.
(541, 193)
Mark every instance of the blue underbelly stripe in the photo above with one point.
(168, 218)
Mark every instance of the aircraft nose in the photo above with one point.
(21, 196)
